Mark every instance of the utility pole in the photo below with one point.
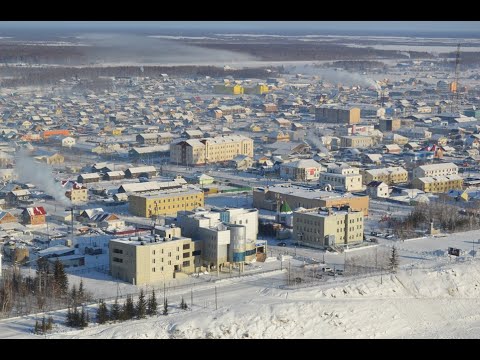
(216, 307)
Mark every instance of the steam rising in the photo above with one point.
(315, 141)
(336, 76)
(30, 171)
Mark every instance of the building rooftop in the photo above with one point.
(147, 240)
(308, 193)
(169, 193)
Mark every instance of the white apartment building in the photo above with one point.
(443, 169)
(342, 178)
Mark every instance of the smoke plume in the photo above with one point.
(315, 141)
(30, 171)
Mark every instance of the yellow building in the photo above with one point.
(258, 89)
(390, 175)
(229, 89)
(326, 227)
(117, 131)
(166, 202)
(356, 141)
(151, 259)
(438, 184)
(210, 150)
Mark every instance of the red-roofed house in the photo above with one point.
(34, 215)
(76, 192)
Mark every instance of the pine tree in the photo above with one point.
(37, 327)
(141, 307)
(130, 307)
(50, 323)
(82, 320)
(393, 260)
(183, 304)
(69, 317)
(81, 291)
(115, 312)
(44, 325)
(60, 278)
(74, 296)
(152, 304)
(165, 307)
(102, 313)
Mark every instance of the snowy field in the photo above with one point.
(440, 303)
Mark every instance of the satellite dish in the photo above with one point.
(328, 187)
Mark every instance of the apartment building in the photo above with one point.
(167, 202)
(342, 178)
(390, 175)
(297, 196)
(386, 125)
(438, 184)
(203, 151)
(301, 170)
(356, 141)
(337, 114)
(323, 227)
(146, 260)
(443, 169)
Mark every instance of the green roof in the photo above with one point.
(285, 208)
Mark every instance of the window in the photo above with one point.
(186, 246)
(115, 259)
(169, 254)
(153, 252)
(153, 269)
(177, 257)
(169, 262)
(118, 251)
(186, 255)
(186, 263)
(153, 261)
(196, 252)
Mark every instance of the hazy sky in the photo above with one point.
(435, 28)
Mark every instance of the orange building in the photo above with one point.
(34, 215)
(48, 133)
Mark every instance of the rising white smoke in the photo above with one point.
(30, 171)
(315, 141)
(335, 76)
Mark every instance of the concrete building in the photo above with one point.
(301, 170)
(167, 202)
(324, 227)
(230, 89)
(151, 259)
(356, 141)
(297, 196)
(140, 171)
(218, 149)
(337, 114)
(229, 236)
(386, 125)
(438, 184)
(443, 169)
(390, 175)
(342, 178)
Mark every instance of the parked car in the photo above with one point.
(374, 233)
(339, 271)
(327, 269)
(282, 244)
(390, 236)
(298, 280)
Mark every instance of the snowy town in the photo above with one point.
(260, 201)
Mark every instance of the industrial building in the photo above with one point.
(386, 125)
(212, 150)
(324, 227)
(271, 197)
(337, 114)
(167, 202)
(356, 141)
(229, 235)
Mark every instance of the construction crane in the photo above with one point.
(454, 87)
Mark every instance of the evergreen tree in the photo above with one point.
(393, 260)
(115, 312)
(60, 278)
(74, 296)
(183, 304)
(129, 308)
(102, 313)
(165, 307)
(50, 323)
(81, 291)
(37, 327)
(141, 307)
(82, 320)
(152, 304)
(44, 325)
(69, 317)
